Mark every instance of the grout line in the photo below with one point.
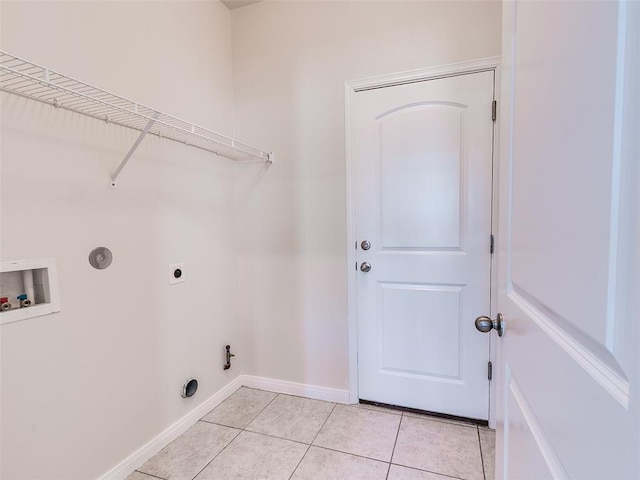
(149, 475)
(428, 471)
(246, 429)
(305, 397)
(484, 473)
(349, 453)
(257, 414)
(412, 412)
(217, 454)
(219, 424)
(421, 416)
(365, 406)
(240, 430)
(314, 439)
(309, 445)
(275, 436)
(394, 446)
(324, 423)
(298, 464)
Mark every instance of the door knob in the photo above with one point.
(485, 324)
(365, 267)
(365, 245)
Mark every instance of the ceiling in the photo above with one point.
(238, 3)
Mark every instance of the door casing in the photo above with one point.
(491, 64)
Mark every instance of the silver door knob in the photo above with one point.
(485, 324)
(365, 245)
(365, 267)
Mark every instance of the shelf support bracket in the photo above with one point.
(132, 150)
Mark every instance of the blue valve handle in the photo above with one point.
(22, 296)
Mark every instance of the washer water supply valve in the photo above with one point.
(4, 304)
(228, 355)
(24, 300)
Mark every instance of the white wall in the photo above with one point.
(290, 62)
(83, 389)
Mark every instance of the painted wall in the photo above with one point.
(290, 62)
(266, 254)
(83, 389)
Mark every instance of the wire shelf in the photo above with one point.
(29, 80)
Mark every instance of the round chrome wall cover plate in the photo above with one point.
(189, 388)
(100, 258)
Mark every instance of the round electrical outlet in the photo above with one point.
(177, 273)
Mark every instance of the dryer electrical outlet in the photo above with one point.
(176, 273)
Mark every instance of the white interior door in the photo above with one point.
(423, 170)
(568, 242)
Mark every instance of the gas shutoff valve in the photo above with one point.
(228, 355)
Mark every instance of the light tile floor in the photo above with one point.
(259, 435)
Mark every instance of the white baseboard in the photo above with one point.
(139, 457)
(298, 389)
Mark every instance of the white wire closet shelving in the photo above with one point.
(27, 79)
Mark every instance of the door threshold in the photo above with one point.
(444, 416)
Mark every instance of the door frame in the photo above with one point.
(491, 64)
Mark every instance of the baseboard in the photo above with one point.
(138, 458)
(298, 389)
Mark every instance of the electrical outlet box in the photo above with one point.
(33, 280)
(177, 273)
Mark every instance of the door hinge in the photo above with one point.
(490, 371)
(494, 110)
(491, 244)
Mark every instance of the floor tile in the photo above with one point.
(488, 446)
(376, 408)
(321, 464)
(361, 432)
(252, 456)
(183, 458)
(405, 473)
(140, 476)
(440, 419)
(293, 418)
(439, 447)
(240, 408)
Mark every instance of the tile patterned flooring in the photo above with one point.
(255, 434)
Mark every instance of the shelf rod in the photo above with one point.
(132, 149)
(29, 80)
